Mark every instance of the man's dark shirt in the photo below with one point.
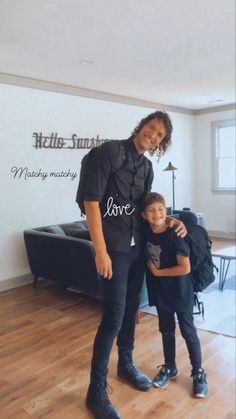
(119, 192)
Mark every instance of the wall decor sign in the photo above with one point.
(53, 141)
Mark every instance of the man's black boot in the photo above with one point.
(98, 402)
(128, 371)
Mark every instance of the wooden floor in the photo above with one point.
(46, 338)
(219, 244)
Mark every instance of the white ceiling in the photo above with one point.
(173, 52)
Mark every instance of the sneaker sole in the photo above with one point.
(175, 376)
(200, 396)
(158, 386)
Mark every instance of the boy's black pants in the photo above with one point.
(189, 333)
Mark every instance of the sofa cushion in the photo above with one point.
(55, 229)
(73, 229)
(82, 234)
(84, 223)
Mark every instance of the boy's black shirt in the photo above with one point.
(174, 293)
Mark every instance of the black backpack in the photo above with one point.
(202, 266)
(117, 164)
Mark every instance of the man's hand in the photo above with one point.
(94, 220)
(104, 265)
(153, 268)
(180, 227)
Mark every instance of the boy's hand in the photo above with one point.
(180, 227)
(154, 270)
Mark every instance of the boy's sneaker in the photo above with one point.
(200, 387)
(165, 374)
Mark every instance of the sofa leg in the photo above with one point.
(138, 316)
(35, 281)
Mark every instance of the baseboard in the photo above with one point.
(17, 281)
(222, 234)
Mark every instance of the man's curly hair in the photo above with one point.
(166, 142)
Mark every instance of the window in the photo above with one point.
(223, 155)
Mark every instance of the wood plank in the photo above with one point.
(46, 339)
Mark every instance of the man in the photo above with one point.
(112, 202)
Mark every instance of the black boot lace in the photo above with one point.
(103, 389)
(128, 364)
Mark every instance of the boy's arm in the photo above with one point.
(94, 220)
(182, 268)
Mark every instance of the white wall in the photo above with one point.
(35, 202)
(218, 208)
(181, 156)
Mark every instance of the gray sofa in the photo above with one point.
(64, 253)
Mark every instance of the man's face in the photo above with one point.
(150, 136)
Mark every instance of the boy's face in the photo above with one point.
(151, 135)
(155, 214)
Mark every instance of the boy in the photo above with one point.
(170, 289)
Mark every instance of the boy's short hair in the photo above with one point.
(152, 197)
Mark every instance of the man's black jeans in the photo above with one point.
(189, 333)
(120, 304)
